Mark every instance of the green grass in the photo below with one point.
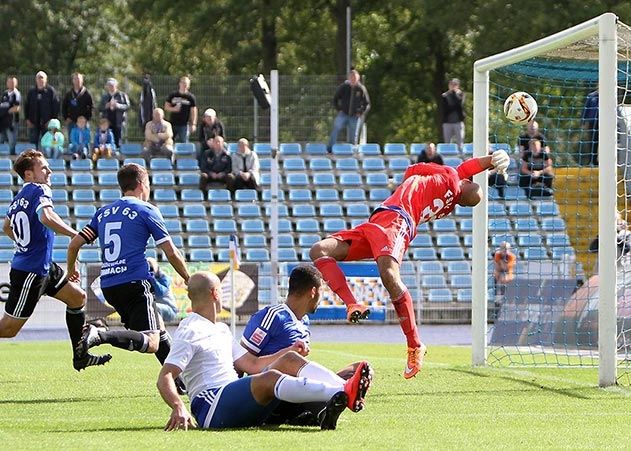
(45, 404)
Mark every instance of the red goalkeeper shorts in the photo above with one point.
(385, 233)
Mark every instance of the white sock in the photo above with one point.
(301, 389)
(313, 370)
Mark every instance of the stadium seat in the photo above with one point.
(358, 210)
(162, 179)
(284, 225)
(21, 147)
(138, 161)
(83, 195)
(423, 253)
(559, 253)
(466, 225)
(249, 211)
(223, 255)
(379, 194)
(6, 255)
(416, 149)
(107, 179)
(459, 267)
(354, 195)
(294, 164)
(460, 281)
(440, 295)
(452, 253)
(173, 225)
(397, 178)
(398, 164)
(547, 209)
(59, 195)
(496, 209)
(373, 164)
(297, 179)
(535, 253)
(263, 149)
(331, 210)
(131, 149)
(218, 195)
(81, 211)
(394, 149)
(423, 227)
(464, 295)
(300, 195)
(520, 209)
(254, 240)
(290, 149)
(233, 147)
(468, 240)
(444, 225)
(221, 211)
(61, 242)
(529, 240)
(169, 211)
(223, 241)
(514, 193)
(433, 281)
(192, 195)
(377, 179)
(64, 212)
(303, 210)
(350, 179)
(307, 225)
(107, 164)
(447, 240)
(201, 255)
(246, 195)
(285, 240)
(346, 164)
(177, 241)
(430, 267)
(257, 255)
(316, 148)
(304, 255)
(422, 241)
(453, 162)
(185, 149)
(497, 225)
(287, 255)
(89, 256)
(342, 149)
(187, 164)
(189, 178)
(252, 226)
(467, 148)
(193, 211)
(283, 211)
(225, 226)
(266, 179)
(463, 211)
(500, 146)
(323, 179)
(526, 225)
(332, 225)
(265, 164)
(557, 239)
(370, 149)
(160, 164)
(199, 241)
(447, 148)
(198, 225)
(320, 164)
(327, 194)
(80, 180)
(6, 195)
(4, 149)
(164, 195)
(81, 165)
(307, 239)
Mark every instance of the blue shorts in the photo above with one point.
(230, 406)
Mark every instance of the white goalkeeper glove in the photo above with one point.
(500, 161)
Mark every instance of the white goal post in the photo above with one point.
(605, 28)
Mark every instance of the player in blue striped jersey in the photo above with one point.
(31, 222)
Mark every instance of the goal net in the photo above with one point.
(544, 308)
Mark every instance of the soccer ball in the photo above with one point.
(520, 108)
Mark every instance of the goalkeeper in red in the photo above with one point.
(428, 191)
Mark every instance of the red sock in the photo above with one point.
(335, 278)
(405, 311)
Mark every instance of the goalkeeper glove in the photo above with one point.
(500, 161)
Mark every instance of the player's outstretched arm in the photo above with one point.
(498, 160)
(6, 228)
(50, 219)
(251, 364)
(175, 258)
(73, 251)
(180, 417)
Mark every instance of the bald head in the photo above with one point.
(470, 194)
(203, 287)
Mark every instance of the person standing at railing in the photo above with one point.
(114, 105)
(42, 105)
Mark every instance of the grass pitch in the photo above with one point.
(45, 404)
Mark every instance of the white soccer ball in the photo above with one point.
(520, 108)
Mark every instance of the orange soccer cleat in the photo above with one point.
(356, 312)
(357, 386)
(415, 361)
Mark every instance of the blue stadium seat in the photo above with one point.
(267, 195)
(201, 255)
(327, 194)
(356, 222)
(199, 241)
(460, 281)
(81, 165)
(496, 209)
(464, 295)
(198, 225)
(547, 208)
(323, 179)
(350, 179)
(397, 178)
(308, 239)
(138, 161)
(61, 242)
(249, 211)
(223, 241)
(453, 162)
(131, 149)
(285, 240)
(177, 241)
(59, 195)
(347, 164)
(6, 195)
(107, 179)
(223, 255)
(459, 267)
(444, 225)
(514, 193)
(189, 178)
(193, 211)
(185, 148)
(283, 211)
(81, 210)
(221, 211)
(266, 179)
(377, 179)
(173, 225)
(300, 195)
(331, 210)
(254, 240)
(246, 195)
(452, 253)
(169, 210)
(447, 240)
(320, 164)
(440, 295)
(89, 255)
(162, 179)
(463, 211)
(4, 149)
(521, 209)
(151, 253)
(6, 255)
(466, 225)
(219, 195)
(294, 164)
(192, 195)
(83, 195)
(80, 180)
(526, 225)
(257, 255)
(422, 241)
(252, 226)
(284, 226)
(332, 225)
(559, 253)
(353, 195)
(287, 255)
(303, 210)
(498, 225)
(416, 149)
(467, 148)
(233, 147)
(529, 240)
(297, 179)
(373, 164)
(447, 149)
(265, 164)
(164, 195)
(187, 164)
(358, 210)
(394, 149)
(57, 164)
(64, 212)
(225, 226)
(433, 281)
(316, 148)
(108, 164)
(307, 225)
(21, 147)
(60, 255)
(263, 149)
(430, 267)
(557, 239)
(535, 253)
(500, 146)
(160, 164)
(398, 164)
(290, 149)
(379, 194)
(497, 240)
(342, 149)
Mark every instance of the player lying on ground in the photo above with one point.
(206, 355)
(428, 191)
(123, 228)
(32, 222)
(277, 327)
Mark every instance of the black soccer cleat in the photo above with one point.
(328, 416)
(89, 338)
(81, 363)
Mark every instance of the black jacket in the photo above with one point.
(352, 100)
(221, 163)
(118, 116)
(75, 105)
(207, 132)
(453, 104)
(41, 106)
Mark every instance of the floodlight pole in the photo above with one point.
(273, 223)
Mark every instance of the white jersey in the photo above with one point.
(205, 353)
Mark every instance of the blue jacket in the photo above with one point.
(109, 141)
(80, 137)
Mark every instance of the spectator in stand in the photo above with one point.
(498, 181)
(352, 102)
(42, 105)
(77, 102)
(147, 102)
(245, 167)
(158, 137)
(532, 132)
(430, 155)
(114, 106)
(181, 104)
(536, 173)
(80, 139)
(216, 167)
(52, 143)
(453, 113)
(104, 144)
(504, 261)
(589, 122)
(211, 127)
(10, 113)
(161, 284)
